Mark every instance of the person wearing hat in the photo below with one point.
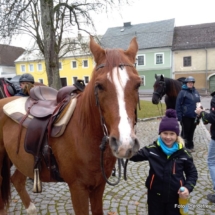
(210, 118)
(186, 102)
(26, 82)
(171, 167)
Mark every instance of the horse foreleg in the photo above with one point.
(18, 180)
(80, 199)
(96, 196)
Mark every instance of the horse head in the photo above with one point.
(159, 89)
(116, 82)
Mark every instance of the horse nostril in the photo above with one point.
(113, 144)
(136, 145)
(129, 153)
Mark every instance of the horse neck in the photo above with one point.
(172, 88)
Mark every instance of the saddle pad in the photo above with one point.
(16, 111)
(16, 106)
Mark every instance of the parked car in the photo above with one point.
(15, 82)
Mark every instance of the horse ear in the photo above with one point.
(132, 50)
(97, 51)
(156, 77)
(161, 78)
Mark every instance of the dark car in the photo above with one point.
(15, 82)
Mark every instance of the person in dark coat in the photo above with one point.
(26, 82)
(186, 102)
(210, 118)
(171, 167)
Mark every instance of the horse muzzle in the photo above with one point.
(124, 149)
(155, 99)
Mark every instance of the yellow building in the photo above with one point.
(72, 66)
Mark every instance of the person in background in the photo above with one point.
(186, 102)
(26, 82)
(210, 118)
(171, 167)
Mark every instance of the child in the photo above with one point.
(168, 161)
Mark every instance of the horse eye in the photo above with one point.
(100, 87)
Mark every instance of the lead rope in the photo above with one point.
(160, 112)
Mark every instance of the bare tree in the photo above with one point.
(47, 21)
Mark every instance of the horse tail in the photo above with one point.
(5, 185)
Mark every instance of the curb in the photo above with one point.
(149, 119)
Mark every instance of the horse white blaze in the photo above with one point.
(31, 210)
(124, 127)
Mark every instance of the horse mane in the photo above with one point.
(172, 86)
(113, 58)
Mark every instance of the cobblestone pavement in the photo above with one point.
(129, 197)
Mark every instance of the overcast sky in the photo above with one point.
(185, 12)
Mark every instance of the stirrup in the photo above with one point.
(37, 188)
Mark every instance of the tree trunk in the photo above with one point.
(50, 54)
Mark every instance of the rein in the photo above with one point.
(105, 138)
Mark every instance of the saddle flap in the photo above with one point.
(43, 93)
(41, 108)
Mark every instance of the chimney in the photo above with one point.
(127, 24)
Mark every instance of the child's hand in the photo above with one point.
(185, 194)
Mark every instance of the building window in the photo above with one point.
(39, 67)
(187, 61)
(31, 67)
(63, 82)
(22, 68)
(40, 80)
(86, 79)
(85, 63)
(159, 58)
(74, 64)
(140, 60)
(74, 79)
(142, 77)
(60, 65)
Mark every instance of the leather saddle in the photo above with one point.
(46, 104)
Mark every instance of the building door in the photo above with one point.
(63, 82)
(212, 84)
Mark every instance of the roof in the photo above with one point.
(32, 55)
(149, 35)
(8, 54)
(73, 47)
(194, 36)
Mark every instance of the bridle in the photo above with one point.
(163, 91)
(121, 65)
(105, 138)
(160, 94)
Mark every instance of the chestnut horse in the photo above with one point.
(107, 105)
(168, 87)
